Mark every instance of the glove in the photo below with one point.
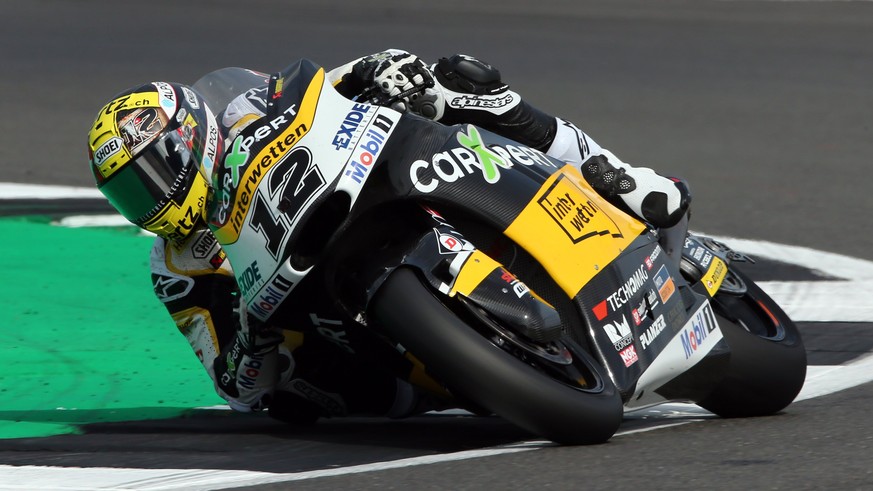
(401, 81)
(250, 367)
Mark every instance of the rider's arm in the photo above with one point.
(195, 283)
(458, 89)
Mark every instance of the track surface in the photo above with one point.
(763, 106)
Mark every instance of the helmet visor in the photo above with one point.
(143, 186)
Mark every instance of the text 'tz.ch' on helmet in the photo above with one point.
(152, 150)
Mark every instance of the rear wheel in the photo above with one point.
(767, 365)
(569, 402)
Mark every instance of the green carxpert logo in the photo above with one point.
(473, 157)
(236, 158)
(486, 157)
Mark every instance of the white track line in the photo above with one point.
(10, 190)
(820, 381)
(843, 300)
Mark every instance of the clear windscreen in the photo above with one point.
(223, 85)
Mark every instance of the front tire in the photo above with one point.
(477, 370)
(767, 365)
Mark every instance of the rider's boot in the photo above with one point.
(658, 200)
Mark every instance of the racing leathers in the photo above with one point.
(253, 365)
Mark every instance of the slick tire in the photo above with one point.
(767, 364)
(477, 370)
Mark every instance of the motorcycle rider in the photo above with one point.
(152, 150)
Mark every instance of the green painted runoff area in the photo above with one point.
(84, 339)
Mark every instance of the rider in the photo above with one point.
(152, 150)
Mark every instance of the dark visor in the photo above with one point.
(144, 184)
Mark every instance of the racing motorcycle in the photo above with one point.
(482, 270)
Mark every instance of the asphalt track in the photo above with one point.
(764, 106)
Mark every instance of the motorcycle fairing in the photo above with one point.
(589, 246)
(312, 144)
(697, 339)
(454, 266)
(572, 231)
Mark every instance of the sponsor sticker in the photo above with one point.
(649, 336)
(630, 288)
(108, 149)
(367, 150)
(694, 335)
(600, 310)
(629, 355)
(448, 243)
(481, 102)
(650, 261)
(203, 245)
(474, 156)
(348, 131)
(166, 98)
(191, 98)
(518, 287)
(249, 278)
(664, 283)
(576, 214)
(714, 276)
(619, 332)
(270, 297)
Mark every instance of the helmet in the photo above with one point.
(152, 150)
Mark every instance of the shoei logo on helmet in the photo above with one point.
(107, 149)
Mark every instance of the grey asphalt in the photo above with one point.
(764, 106)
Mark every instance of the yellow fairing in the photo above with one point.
(475, 269)
(571, 230)
(176, 220)
(714, 276)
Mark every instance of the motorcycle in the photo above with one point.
(482, 270)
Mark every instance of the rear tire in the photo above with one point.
(475, 369)
(767, 365)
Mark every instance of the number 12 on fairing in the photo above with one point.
(298, 180)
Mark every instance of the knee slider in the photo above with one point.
(465, 74)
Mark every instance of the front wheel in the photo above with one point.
(768, 360)
(524, 392)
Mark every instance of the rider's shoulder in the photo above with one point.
(199, 254)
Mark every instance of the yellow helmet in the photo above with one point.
(152, 150)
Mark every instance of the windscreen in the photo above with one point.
(222, 86)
